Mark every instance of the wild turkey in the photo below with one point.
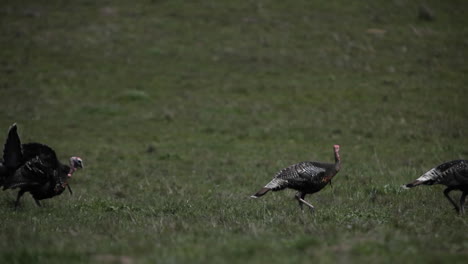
(306, 177)
(34, 168)
(453, 174)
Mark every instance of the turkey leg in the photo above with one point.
(462, 202)
(69, 189)
(300, 198)
(18, 197)
(37, 202)
(446, 193)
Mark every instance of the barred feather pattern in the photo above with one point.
(452, 173)
(303, 175)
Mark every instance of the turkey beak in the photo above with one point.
(78, 164)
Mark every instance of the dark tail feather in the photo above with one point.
(12, 153)
(261, 192)
(3, 173)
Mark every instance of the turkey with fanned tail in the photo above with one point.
(453, 174)
(34, 168)
(306, 177)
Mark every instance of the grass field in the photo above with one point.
(183, 109)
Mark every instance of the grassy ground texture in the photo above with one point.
(183, 109)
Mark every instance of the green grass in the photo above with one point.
(183, 109)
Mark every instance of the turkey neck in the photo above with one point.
(337, 161)
(71, 171)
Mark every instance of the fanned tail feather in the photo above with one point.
(261, 192)
(12, 149)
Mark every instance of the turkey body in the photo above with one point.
(39, 173)
(306, 177)
(453, 174)
(34, 168)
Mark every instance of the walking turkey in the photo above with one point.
(306, 177)
(453, 174)
(34, 168)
